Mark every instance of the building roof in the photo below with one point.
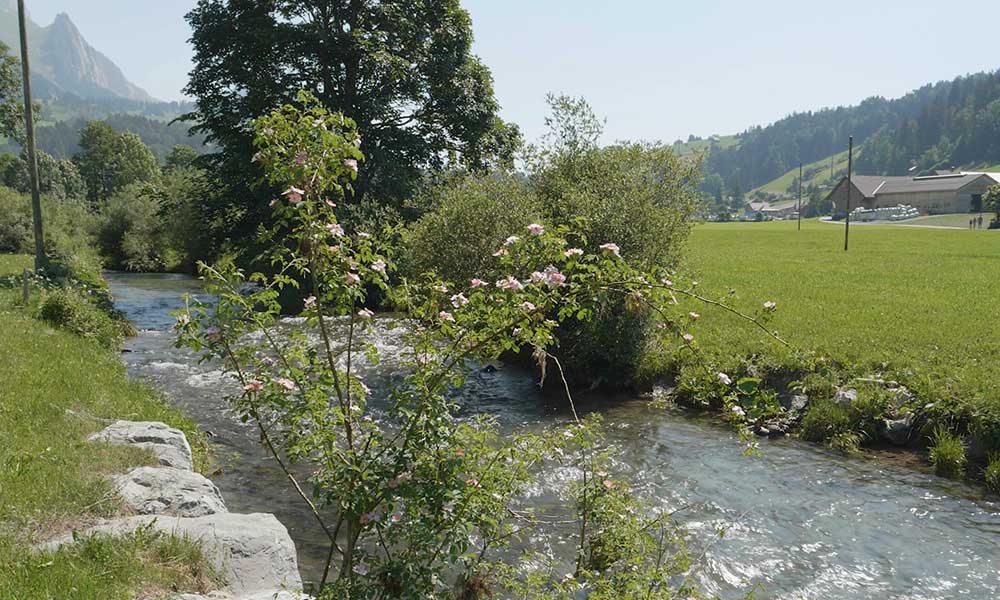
(780, 206)
(871, 185)
(932, 183)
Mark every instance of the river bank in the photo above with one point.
(58, 388)
(800, 520)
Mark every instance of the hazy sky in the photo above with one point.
(657, 69)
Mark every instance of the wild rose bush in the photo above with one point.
(423, 503)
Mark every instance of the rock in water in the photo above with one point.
(252, 552)
(169, 491)
(168, 444)
(897, 431)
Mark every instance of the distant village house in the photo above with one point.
(771, 210)
(932, 194)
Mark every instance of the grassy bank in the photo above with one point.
(57, 388)
(913, 305)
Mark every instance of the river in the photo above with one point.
(801, 521)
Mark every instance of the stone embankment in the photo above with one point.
(253, 553)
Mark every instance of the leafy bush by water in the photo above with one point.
(638, 196)
(825, 420)
(74, 311)
(468, 218)
(948, 454)
(992, 472)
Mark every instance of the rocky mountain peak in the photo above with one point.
(64, 62)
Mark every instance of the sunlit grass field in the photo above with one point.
(918, 304)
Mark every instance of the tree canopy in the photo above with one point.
(403, 70)
(109, 161)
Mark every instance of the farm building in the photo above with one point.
(932, 194)
(771, 210)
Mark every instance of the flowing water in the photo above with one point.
(799, 521)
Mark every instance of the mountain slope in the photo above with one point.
(63, 62)
(939, 126)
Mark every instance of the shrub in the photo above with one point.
(639, 196)
(948, 453)
(468, 217)
(15, 231)
(867, 412)
(67, 225)
(439, 487)
(128, 230)
(824, 420)
(73, 310)
(992, 472)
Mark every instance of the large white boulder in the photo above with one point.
(253, 552)
(169, 491)
(168, 444)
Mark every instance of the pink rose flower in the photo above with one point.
(510, 283)
(476, 282)
(553, 278)
(288, 384)
(459, 300)
(536, 229)
(254, 385)
(725, 379)
(379, 266)
(537, 277)
(511, 240)
(527, 306)
(294, 194)
(446, 316)
(351, 278)
(351, 164)
(573, 252)
(336, 229)
(612, 248)
(688, 338)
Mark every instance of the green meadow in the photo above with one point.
(917, 305)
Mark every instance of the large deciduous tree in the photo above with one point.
(110, 161)
(403, 70)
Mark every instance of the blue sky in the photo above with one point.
(657, 69)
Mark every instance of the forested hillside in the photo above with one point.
(943, 125)
(61, 139)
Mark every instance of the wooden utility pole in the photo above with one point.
(850, 159)
(800, 197)
(29, 130)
